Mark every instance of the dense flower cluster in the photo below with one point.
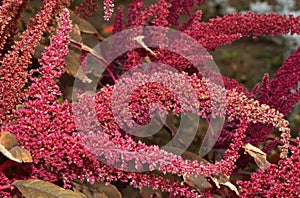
(237, 107)
(86, 8)
(13, 69)
(217, 31)
(43, 122)
(277, 180)
(79, 140)
(9, 12)
(108, 9)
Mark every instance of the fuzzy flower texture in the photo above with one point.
(31, 110)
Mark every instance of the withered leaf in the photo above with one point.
(9, 148)
(198, 182)
(73, 58)
(146, 192)
(109, 190)
(75, 33)
(216, 155)
(88, 49)
(84, 26)
(192, 156)
(222, 179)
(216, 196)
(258, 155)
(139, 39)
(73, 65)
(88, 191)
(97, 190)
(8, 140)
(170, 124)
(21, 154)
(186, 154)
(38, 51)
(35, 188)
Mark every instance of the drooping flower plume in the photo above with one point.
(88, 139)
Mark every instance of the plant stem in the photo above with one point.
(7, 164)
(6, 187)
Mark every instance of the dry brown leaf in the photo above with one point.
(73, 58)
(35, 188)
(38, 51)
(88, 49)
(139, 40)
(259, 156)
(88, 191)
(21, 154)
(84, 26)
(109, 190)
(222, 179)
(146, 192)
(170, 124)
(8, 140)
(97, 190)
(198, 182)
(186, 154)
(75, 33)
(9, 148)
(73, 65)
(192, 156)
(216, 155)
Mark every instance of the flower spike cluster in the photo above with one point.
(9, 13)
(88, 139)
(280, 180)
(238, 107)
(14, 64)
(45, 126)
(86, 8)
(108, 9)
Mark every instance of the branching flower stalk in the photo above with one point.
(47, 127)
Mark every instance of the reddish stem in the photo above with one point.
(78, 46)
(6, 187)
(7, 164)
(210, 126)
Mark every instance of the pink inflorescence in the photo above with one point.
(108, 9)
(280, 180)
(45, 126)
(14, 64)
(86, 8)
(91, 144)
